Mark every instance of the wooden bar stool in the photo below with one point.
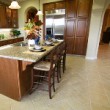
(63, 56)
(44, 70)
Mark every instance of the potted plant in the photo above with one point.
(15, 32)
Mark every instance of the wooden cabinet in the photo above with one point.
(14, 18)
(77, 25)
(49, 6)
(83, 8)
(71, 7)
(60, 5)
(3, 21)
(8, 17)
(54, 5)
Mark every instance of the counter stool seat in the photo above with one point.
(43, 65)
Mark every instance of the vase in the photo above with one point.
(31, 43)
(37, 40)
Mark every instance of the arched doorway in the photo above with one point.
(104, 47)
(105, 33)
(30, 13)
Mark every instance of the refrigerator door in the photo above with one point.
(58, 27)
(55, 22)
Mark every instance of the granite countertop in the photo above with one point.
(23, 52)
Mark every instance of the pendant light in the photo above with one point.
(14, 5)
(39, 11)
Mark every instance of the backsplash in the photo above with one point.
(5, 32)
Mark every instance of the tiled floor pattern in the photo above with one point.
(84, 86)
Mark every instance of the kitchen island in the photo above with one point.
(16, 63)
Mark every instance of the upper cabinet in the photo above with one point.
(84, 8)
(14, 18)
(71, 8)
(3, 21)
(8, 17)
(54, 5)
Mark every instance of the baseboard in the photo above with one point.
(91, 58)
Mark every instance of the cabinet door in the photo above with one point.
(70, 28)
(70, 45)
(71, 8)
(49, 6)
(84, 8)
(14, 18)
(3, 22)
(8, 17)
(80, 38)
(60, 5)
(70, 35)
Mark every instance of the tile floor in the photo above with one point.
(84, 86)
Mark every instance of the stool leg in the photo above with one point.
(31, 81)
(59, 68)
(64, 61)
(54, 81)
(57, 72)
(49, 87)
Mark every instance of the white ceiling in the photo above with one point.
(9, 1)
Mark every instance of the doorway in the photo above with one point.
(30, 13)
(105, 33)
(104, 47)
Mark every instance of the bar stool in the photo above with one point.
(63, 56)
(44, 70)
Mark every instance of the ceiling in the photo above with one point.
(9, 1)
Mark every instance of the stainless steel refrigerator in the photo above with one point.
(55, 23)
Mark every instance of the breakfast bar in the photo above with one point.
(15, 68)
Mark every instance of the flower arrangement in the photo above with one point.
(34, 28)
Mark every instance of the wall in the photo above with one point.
(98, 10)
(6, 32)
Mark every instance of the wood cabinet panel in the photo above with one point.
(70, 28)
(25, 76)
(3, 22)
(71, 8)
(60, 5)
(79, 11)
(81, 28)
(14, 18)
(9, 82)
(8, 17)
(70, 45)
(49, 6)
(83, 8)
(54, 5)
(79, 47)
